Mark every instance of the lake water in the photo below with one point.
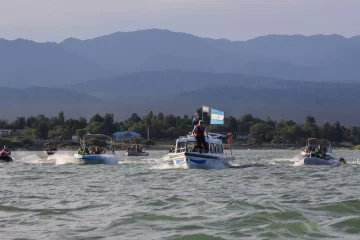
(145, 198)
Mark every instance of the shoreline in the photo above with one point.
(66, 145)
(167, 147)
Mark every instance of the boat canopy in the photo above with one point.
(314, 142)
(88, 136)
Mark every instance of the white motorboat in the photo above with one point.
(101, 158)
(329, 159)
(187, 155)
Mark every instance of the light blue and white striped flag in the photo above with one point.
(217, 117)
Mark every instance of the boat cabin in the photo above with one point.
(314, 143)
(188, 144)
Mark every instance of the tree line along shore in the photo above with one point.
(35, 132)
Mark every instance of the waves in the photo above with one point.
(53, 197)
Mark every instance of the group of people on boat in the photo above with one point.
(85, 151)
(134, 148)
(319, 152)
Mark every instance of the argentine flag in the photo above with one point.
(217, 117)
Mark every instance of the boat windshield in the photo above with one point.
(189, 146)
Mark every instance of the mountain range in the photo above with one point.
(276, 75)
(312, 58)
(182, 92)
(25, 63)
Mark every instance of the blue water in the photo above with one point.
(146, 198)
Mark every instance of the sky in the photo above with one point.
(56, 20)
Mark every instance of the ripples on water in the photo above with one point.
(145, 198)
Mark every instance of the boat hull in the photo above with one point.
(4, 159)
(201, 161)
(97, 159)
(136, 154)
(319, 161)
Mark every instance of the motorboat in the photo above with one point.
(50, 149)
(4, 159)
(135, 153)
(106, 159)
(187, 155)
(103, 157)
(329, 159)
(49, 152)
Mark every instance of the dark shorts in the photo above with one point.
(201, 140)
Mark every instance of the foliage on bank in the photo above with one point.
(169, 127)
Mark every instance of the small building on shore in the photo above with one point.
(126, 136)
(5, 132)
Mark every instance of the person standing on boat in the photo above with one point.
(199, 133)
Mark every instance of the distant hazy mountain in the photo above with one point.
(39, 95)
(155, 50)
(163, 83)
(25, 63)
(182, 92)
(313, 58)
(48, 101)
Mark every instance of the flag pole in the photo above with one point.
(202, 113)
(210, 118)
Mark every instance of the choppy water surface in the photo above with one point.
(144, 198)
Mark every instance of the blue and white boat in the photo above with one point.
(329, 159)
(103, 157)
(186, 154)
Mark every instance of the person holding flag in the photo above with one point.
(196, 119)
